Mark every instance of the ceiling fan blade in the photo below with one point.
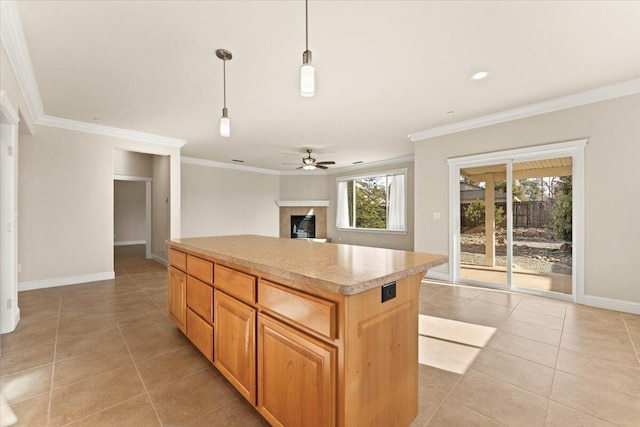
(319, 166)
(331, 162)
(291, 163)
(299, 167)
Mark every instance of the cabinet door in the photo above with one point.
(234, 343)
(200, 333)
(177, 297)
(296, 376)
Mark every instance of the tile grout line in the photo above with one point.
(135, 365)
(53, 363)
(636, 349)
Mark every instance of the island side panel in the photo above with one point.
(381, 356)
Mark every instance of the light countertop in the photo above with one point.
(339, 268)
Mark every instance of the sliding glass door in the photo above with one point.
(483, 223)
(514, 221)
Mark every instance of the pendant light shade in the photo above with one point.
(225, 123)
(307, 73)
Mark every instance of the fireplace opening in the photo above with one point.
(303, 226)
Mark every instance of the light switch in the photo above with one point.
(436, 215)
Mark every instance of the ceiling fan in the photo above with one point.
(309, 163)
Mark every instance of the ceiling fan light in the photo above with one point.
(308, 167)
(307, 80)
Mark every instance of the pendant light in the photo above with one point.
(225, 123)
(307, 73)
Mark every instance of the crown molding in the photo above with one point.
(396, 161)
(223, 165)
(618, 90)
(15, 45)
(7, 109)
(76, 125)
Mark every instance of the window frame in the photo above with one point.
(376, 174)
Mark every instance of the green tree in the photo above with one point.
(562, 213)
(371, 203)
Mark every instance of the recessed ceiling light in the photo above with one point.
(97, 119)
(237, 161)
(480, 75)
(357, 163)
(450, 112)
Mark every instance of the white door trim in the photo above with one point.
(9, 310)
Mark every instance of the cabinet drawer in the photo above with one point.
(200, 298)
(178, 259)
(311, 312)
(200, 269)
(200, 333)
(235, 283)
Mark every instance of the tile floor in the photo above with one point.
(105, 354)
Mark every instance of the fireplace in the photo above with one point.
(303, 226)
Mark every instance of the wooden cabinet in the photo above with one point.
(301, 354)
(296, 376)
(234, 343)
(177, 297)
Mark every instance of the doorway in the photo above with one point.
(516, 221)
(132, 212)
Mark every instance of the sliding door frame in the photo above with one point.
(574, 149)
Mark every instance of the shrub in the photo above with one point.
(474, 214)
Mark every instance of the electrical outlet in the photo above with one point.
(388, 291)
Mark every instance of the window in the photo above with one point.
(373, 201)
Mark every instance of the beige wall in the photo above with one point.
(382, 240)
(160, 210)
(131, 163)
(129, 211)
(9, 84)
(300, 187)
(66, 204)
(217, 201)
(612, 248)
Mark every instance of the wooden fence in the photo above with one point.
(532, 214)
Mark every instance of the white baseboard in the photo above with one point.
(63, 281)
(612, 304)
(437, 275)
(130, 242)
(162, 261)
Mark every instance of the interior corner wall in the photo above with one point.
(160, 206)
(218, 202)
(612, 156)
(129, 211)
(366, 238)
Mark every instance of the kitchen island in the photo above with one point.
(311, 334)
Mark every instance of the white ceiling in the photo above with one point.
(384, 69)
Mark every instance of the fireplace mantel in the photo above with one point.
(301, 203)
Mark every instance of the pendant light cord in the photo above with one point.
(224, 82)
(306, 23)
